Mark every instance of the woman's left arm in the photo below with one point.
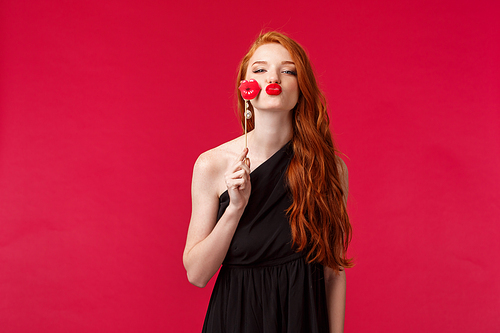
(335, 286)
(335, 283)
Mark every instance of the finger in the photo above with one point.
(243, 155)
(239, 169)
(244, 183)
(237, 177)
(238, 174)
(245, 165)
(240, 165)
(236, 184)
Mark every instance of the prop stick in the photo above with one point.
(249, 90)
(247, 112)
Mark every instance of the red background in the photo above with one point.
(105, 105)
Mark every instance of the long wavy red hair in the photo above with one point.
(318, 215)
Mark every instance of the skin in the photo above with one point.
(335, 284)
(228, 167)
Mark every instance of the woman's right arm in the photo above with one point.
(208, 240)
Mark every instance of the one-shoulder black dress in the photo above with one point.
(264, 285)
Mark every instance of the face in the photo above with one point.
(272, 66)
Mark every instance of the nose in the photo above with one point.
(273, 77)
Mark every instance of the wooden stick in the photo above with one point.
(246, 119)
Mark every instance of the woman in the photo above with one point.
(273, 215)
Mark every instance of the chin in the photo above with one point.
(275, 107)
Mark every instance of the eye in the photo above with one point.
(290, 72)
(258, 70)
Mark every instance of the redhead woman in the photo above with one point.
(273, 215)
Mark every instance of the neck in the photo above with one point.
(272, 131)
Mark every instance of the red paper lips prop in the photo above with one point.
(249, 89)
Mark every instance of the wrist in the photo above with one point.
(235, 210)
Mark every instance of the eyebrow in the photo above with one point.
(265, 62)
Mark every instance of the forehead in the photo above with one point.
(269, 52)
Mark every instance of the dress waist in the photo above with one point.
(269, 263)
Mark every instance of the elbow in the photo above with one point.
(195, 274)
(195, 278)
(196, 281)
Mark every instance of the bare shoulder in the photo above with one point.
(207, 163)
(211, 165)
(343, 174)
(216, 158)
(342, 167)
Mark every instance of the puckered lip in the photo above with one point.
(273, 89)
(249, 89)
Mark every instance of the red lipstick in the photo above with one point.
(273, 89)
(249, 89)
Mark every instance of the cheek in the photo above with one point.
(249, 74)
(296, 90)
(293, 85)
(296, 96)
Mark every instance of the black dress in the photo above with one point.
(264, 285)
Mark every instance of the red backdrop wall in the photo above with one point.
(105, 105)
